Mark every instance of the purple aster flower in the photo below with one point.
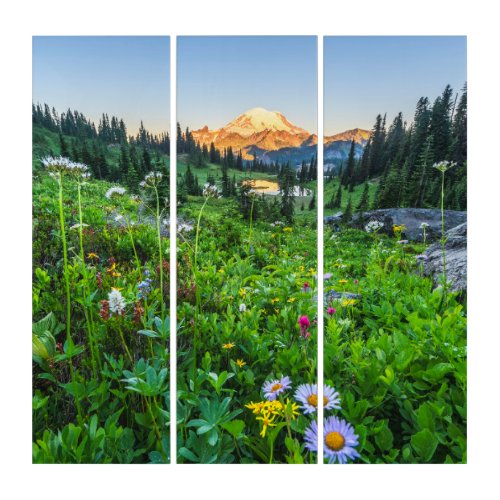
(307, 394)
(339, 440)
(273, 388)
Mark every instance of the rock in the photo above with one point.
(456, 259)
(412, 218)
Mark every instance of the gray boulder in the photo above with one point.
(456, 259)
(412, 218)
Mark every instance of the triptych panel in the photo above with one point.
(249, 186)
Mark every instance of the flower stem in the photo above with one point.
(125, 345)
(68, 298)
(251, 222)
(160, 253)
(88, 312)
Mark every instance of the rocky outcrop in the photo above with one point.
(412, 218)
(456, 259)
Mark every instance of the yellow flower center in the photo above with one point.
(276, 387)
(313, 400)
(325, 400)
(334, 441)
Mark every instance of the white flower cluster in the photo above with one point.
(277, 223)
(424, 225)
(373, 226)
(151, 180)
(116, 302)
(62, 165)
(184, 227)
(443, 166)
(115, 191)
(243, 308)
(211, 191)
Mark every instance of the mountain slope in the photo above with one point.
(259, 131)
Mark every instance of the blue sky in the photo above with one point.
(218, 78)
(128, 77)
(365, 76)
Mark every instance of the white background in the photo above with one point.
(21, 21)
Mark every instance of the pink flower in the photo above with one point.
(356, 282)
(306, 287)
(331, 311)
(305, 335)
(304, 322)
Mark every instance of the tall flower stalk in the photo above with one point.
(209, 191)
(443, 166)
(152, 181)
(57, 168)
(117, 192)
(88, 311)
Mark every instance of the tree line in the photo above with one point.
(80, 140)
(401, 157)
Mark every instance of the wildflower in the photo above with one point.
(273, 388)
(152, 179)
(274, 300)
(114, 192)
(424, 225)
(287, 229)
(77, 226)
(93, 256)
(304, 323)
(98, 277)
(144, 288)
(343, 281)
(104, 311)
(443, 166)
(291, 299)
(302, 269)
(242, 308)
(112, 270)
(138, 312)
(331, 311)
(211, 191)
(57, 166)
(339, 440)
(306, 287)
(116, 302)
(240, 363)
(327, 276)
(307, 394)
(373, 226)
(242, 292)
(228, 346)
(356, 282)
(348, 302)
(267, 421)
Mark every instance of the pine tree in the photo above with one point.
(347, 215)
(312, 202)
(348, 175)
(64, 146)
(364, 202)
(287, 186)
(338, 197)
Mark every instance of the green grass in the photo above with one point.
(331, 189)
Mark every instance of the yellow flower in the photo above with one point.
(228, 346)
(267, 421)
(240, 363)
(348, 302)
(287, 229)
(242, 292)
(276, 310)
(221, 270)
(230, 297)
(291, 299)
(276, 299)
(301, 269)
(92, 255)
(343, 281)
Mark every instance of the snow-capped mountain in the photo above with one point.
(257, 131)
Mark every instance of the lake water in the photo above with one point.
(262, 186)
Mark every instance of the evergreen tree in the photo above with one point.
(64, 147)
(287, 186)
(347, 215)
(364, 202)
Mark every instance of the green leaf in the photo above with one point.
(384, 439)
(187, 454)
(235, 427)
(424, 443)
(425, 417)
(149, 333)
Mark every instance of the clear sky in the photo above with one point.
(218, 78)
(125, 76)
(365, 76)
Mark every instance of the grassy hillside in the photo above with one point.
(331, 189)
